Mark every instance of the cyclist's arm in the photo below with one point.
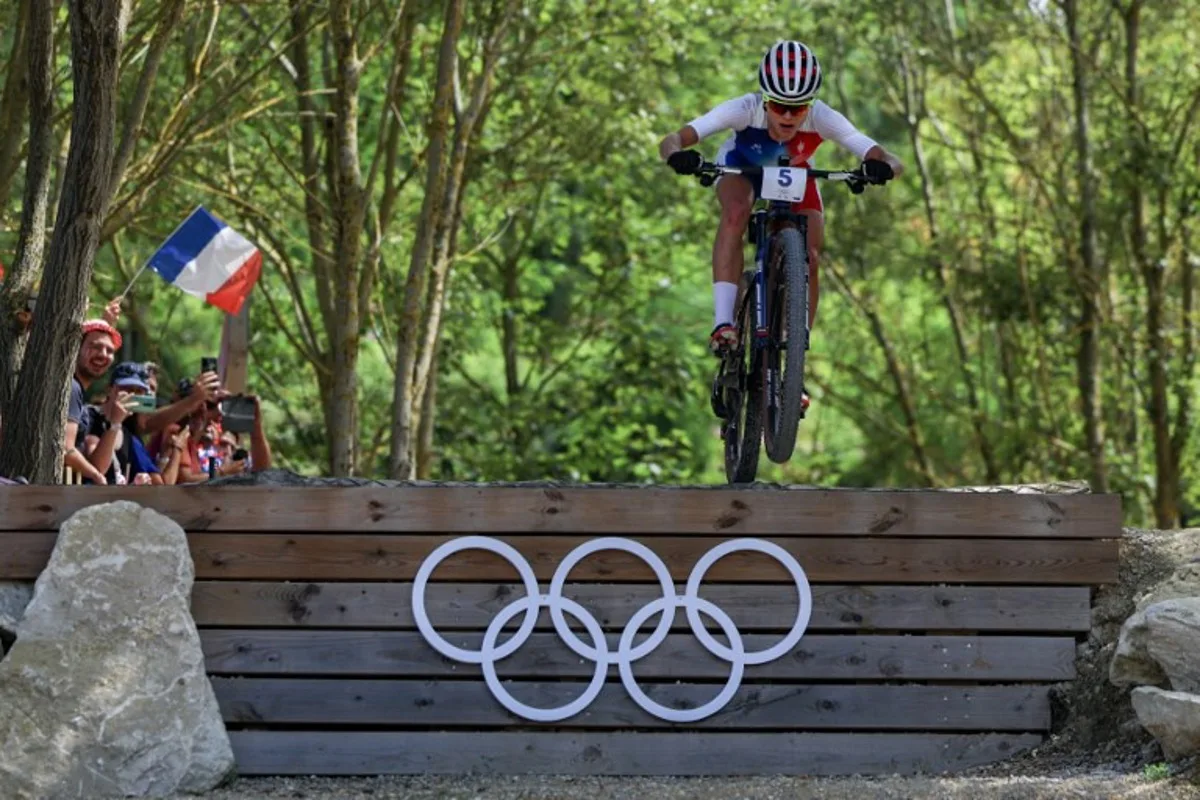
(736, 114)
(681, 139)
(879, 152)
(833, 125)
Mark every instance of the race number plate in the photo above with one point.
(784, 183)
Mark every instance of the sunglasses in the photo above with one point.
(788, 108)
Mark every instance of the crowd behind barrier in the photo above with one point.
(121, 430)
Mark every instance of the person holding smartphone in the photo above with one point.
(112, 443)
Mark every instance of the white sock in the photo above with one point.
(724, 297)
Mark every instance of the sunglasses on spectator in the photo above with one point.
(788, 108)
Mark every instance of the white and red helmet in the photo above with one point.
(789, 73)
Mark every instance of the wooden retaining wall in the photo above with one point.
(939, 622)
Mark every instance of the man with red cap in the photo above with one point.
(101, 341)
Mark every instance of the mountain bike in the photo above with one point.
(757, 391)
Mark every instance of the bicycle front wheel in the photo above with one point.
(787, 306)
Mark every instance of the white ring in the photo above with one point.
(803, 610)
(598, 652)
(737, 663)
(516, 706)
(505, 551)
(610, 543)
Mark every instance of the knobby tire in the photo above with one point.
(788, 306)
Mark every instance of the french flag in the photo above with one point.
(208, 259)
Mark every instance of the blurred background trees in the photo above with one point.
(476, 268)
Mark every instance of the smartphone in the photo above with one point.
(143, 403)
(208, 364)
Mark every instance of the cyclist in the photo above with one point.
(783, 117)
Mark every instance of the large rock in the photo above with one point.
(1091, 714)
(104, 693)
(1172, 717)
(1132, 662)
(13, 599)
(1173, 641)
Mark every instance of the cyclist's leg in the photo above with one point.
(736, 196)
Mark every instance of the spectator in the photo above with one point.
(100, 343)
(259, 457)
(204, 389)
(152, 376)
(210, 450)
(112, 441)
(171, 457)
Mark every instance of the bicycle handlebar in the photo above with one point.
(708, 172)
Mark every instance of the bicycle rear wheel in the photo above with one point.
(783, 376)
(743, 426)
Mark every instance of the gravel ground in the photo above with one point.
(1052, 771)
(1096, 783)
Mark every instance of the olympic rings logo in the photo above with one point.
(598, 651)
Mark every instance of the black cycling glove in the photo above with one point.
(877, 171)
(685, 162)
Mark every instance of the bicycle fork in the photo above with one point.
(762, 330)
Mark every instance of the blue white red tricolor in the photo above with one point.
(206, 258)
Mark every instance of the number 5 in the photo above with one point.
(785, 177)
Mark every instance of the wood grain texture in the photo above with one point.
(584, 753)
(588, 510)
(408, 703)
(354, 557)
(681, 656)
(751, 606)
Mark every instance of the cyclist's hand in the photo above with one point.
(877, 171)
(685, 162)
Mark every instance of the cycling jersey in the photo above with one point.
(751, 145)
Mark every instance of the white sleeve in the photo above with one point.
(830, 124)
(736, 114)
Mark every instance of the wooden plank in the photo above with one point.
(407, 703)
(316, 557)
(752, 607)
(681, 656)
(379, 753)
(593, 509)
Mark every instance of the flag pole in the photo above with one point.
(136, 275)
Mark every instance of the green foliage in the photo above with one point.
(1159, 771)
(572, 346)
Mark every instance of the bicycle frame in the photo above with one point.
(764, 222)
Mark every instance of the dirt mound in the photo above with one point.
(1094, 720)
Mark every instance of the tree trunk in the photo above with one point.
(349, 208)
(1185, 378)
(170, 15)
(18, 284)
(400, 461)
(13, 101)
(34, 436)
(914, 112)
(903, 395)
(1166, 507)
(425, 452)
(1091, 281)
(511, 294)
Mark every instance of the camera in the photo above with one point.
(240, 454)
(237, 414)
